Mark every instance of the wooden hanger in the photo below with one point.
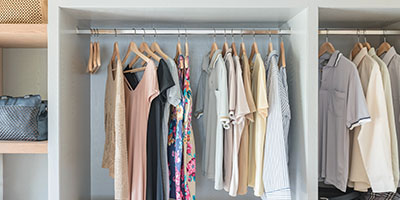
(234, 51)
(233, 45)
(366, 44)
(270, 45)
(144, 48)
(115, 55)
(98, 52)
(186, 45)
(254, 49)
(132, 48)
(282, 58)
(384, 47)
(156, 48)
(225, 46)
(214, 46)
(242, 47)
(94, 60)
(90, 61)
(326, 47)
(356, 49)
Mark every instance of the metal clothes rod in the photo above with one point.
(217, 31)
(360, 32)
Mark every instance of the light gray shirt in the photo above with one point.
(392, 60)
(342, 106)
(216, 118)
(173, 98)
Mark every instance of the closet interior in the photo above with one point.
(23, 69)
(343, 28)
(79, 113)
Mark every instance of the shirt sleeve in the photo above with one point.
(174, 93)
(262, 99)
(357, 110)
(222, 94)
(152, 89)
(201, 89)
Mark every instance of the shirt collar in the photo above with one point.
(216, 55)
(372, 51)
(206, 62)
(333, 58)
(389, 55)
(363, 52)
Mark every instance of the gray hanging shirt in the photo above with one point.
(342, 106)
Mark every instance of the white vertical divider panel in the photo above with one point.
(74, 112)
(69, 109)
(1, 155)
(303, 98)
(53, 101)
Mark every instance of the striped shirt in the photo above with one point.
(284, 95)
(275, 173)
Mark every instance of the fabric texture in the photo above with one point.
(275, 166)
(390, 113)
(189, 154)
(342, 106)
(241, 110)
(244, 142)
(392, 60)
(138, 103)
(115, 156)
(155, 188)
(257, 129)
(371, 163)
(286, 115)
(173, 99)
(228, 133)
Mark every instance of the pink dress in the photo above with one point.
(138, 103)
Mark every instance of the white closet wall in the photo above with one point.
(25, 72)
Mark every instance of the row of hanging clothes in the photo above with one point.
(243, 102)
(148, 124)
(359, 120)
(149, 141)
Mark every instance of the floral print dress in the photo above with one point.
(181, 145)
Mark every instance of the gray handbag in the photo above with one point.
(23, 118)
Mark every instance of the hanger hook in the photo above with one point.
(326, 36)
(280, 35)
(270, 37)
(233, 37)
(179, 35)
(384, 35)
(225, 34)
(98, 34)
(155, 34)
(241, 34)
(134, 29)
(115, 32)
(365, 37)
(358, 36)
(186, 35)
(254, 35)
(144, 33)
(215, 34)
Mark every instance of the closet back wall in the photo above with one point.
(25, 72)
(101, 183)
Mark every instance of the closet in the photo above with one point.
(23, 69)
(78, 115)
(76, 105)
(344, 27)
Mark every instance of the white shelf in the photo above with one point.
(23, 147)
